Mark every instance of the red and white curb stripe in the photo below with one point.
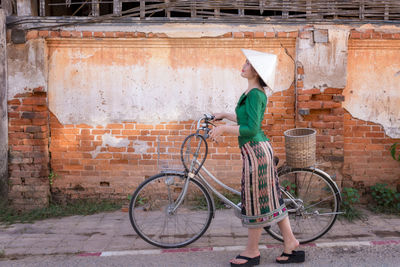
(237, 248)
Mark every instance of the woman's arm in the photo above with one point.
(224, 115)
(253, 110)
(219, 130)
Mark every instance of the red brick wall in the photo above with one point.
(28, 150)
(367, 154)
(87, 168)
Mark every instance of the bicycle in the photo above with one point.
(174, 208)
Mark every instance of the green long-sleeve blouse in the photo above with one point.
(250, 111)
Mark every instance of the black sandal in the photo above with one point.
(250, 261)
(295, 257)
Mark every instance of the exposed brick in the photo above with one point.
(34, 34)
(294, 34)
(98, 34)
(238, 35)
(338, 98)
(87, 34)
(355, 35)
(34, 101)
(310, 91)
(387, 36)
(133, 35)
(310, 104)
(65, 34)
(248, 34)
(109, 34)
(54, 34)
(44, 34)
(376, 35)
(333, 91)
(259, 34)
(365, 35)
(120, 34)
(270, 34)
(76, 34)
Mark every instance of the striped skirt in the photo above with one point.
(262, 202)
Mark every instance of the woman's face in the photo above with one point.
(248, 71)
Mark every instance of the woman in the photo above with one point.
(262, 203)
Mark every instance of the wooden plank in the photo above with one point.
(42, 8)
(168, 9)
(285, 6)
(240, 4)
(95, 8)
(142, 9)
(193, 9)
(117, 7)
(386, 11)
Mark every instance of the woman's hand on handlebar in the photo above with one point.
(218, 116)
(216, 132)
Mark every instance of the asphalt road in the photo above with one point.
(363, 256)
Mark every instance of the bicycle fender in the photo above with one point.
(327, 175)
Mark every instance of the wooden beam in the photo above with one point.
(26, 8)
(42, 8)
(308, 8)
(95, 8)
(362, 10)
(193, 9)
(142, 9)
(117, 7)
(285, 12)
(168, 9)
(240, 10)
(386, 11)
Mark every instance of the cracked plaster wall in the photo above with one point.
(154, 81)
(118, 86)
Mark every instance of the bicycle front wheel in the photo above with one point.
(317, 203)
(156, 218)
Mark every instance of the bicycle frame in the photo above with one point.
(209, 187)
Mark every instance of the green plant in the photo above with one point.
(350, 197)
(386, 199)
(393, 152)
(52, 177)
(2, 254)
(290, 187)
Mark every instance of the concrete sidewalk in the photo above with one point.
(113, 232)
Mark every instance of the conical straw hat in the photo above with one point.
(264, 64)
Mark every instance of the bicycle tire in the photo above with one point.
(149, 206)
(273, 230)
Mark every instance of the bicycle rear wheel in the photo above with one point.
(318, 203)
(152, 216)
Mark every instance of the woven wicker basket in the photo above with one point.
(300, 147)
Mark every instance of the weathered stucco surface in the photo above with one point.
(102, 81)
(27, 67)
(3, 109)
(373, 85)
(325, 64)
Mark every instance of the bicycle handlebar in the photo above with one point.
(206, 118)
